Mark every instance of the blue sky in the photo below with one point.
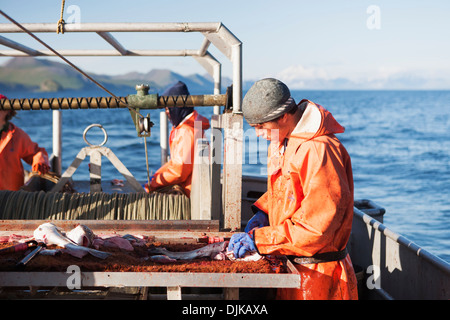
(307, 44)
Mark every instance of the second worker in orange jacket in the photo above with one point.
(188, 126)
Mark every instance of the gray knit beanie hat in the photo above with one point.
(267, 100)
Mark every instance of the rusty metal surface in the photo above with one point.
(119, 225)
(174, 230)
(152, 279)
(232, 170)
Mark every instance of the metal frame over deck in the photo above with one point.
(214, 33)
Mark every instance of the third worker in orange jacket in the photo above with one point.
(15, 146)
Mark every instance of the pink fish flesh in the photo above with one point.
(14, 238)
(113, 242)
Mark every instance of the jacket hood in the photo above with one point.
(316, 121)
(195, 119)
(177, 114)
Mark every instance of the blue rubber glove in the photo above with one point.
(260, 219)
(240, 243)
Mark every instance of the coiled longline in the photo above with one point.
(24, 205)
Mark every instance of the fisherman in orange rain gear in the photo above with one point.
(307, 210)
(188, 126)
(16, 145)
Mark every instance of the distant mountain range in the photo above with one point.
(26, 74)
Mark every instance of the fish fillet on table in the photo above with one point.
(49, 234)
(81, 235)
(214, 251)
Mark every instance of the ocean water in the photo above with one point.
(398, 142)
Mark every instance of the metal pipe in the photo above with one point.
(105, 53)
(17, 46)
(237, 78)
(113, 42)
(60, 103)
(217, 76)
(163, 136)
(57, 142)
(214, 69)
(232, 48)
(108, 102)
(117, 27)
(204, 47)
(194, 101)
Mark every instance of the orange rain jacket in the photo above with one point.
(309, 202)
(15, 144)
(178, 170)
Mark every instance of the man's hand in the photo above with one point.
(260, 219)
(240, 244)
(41, 168)
(147, 185)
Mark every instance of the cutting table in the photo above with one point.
(164, 231)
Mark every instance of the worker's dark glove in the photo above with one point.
(40, 167)
(240, 244)
(260, 219)
(146, 186)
